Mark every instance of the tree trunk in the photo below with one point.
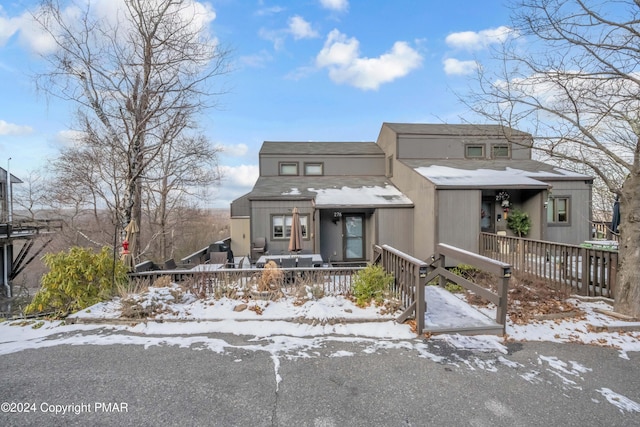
(627, 300)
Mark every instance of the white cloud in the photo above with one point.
(257, 60)
(301, 29)
(454, 66)
(69, 138)
(243, 176)
(471, 40)
(198, 15)
(13, 129)
(236, 182)
(341, 56)
(337, 5)
(237, 150)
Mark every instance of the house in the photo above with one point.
(416, 186)
(20, 231)
(6, 244)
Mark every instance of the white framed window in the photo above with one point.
(288, 168)
(558, 210)
(474, 151)
(281, 226)
(313, 169)
(500, 152)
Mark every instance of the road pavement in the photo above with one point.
(332, 381)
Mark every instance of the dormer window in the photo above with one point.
(474, 151)
(500, 152)
(288, 168)
(313, 169)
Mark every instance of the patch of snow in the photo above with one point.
(367, 195)
(621, 402)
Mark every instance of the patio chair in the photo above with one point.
(258, 248)
(170, 264)
(305, 262)
(218, 258)
(288, 262)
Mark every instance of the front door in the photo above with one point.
(486, 216)
(353, 236)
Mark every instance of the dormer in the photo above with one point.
(444, 141)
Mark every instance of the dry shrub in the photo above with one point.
(162, 282)
(271, 277)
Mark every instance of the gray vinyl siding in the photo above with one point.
(459, 218)
(332, 165)
(579, 228)
(261, 213)
(330, 237)
(394, 227)
(240, 207)
(452, 146)
(533, 205)
(422, 193)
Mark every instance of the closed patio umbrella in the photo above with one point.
(295, 240)
(615, 219)
(128, 254)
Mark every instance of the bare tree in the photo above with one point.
(181, 167)
(138, 77)
(570, 76)
(31, 196)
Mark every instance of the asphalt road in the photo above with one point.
(332, 383)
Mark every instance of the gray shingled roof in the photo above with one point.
(453, 129)
(372, 191)
(321, 148)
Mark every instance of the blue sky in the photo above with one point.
(307, 70)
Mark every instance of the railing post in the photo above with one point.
(586, 271)
(442, 281)
(503, 293)
(421, 303)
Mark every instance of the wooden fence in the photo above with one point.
(220, 282)
(410, 279)
(585, 271)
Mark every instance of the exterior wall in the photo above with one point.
(533, 204)
(394, 227)
(332, 165)
(330, 236)
(240, 207)
(261, 213)
(388, 142)
(452, 146)
(241, 236)
(459, 218)
(423, 195)
(579, 228)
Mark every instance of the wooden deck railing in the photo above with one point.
(328, 280)
(586, 271)
(412, 275)
(501, 270)
(410, 279)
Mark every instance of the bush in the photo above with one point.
(519, 222)
(77, 280)
(463, 270)
(371, 283)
